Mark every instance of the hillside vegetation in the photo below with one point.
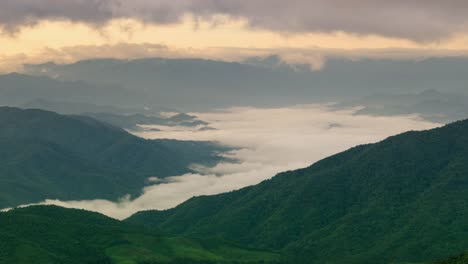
(47, 155)
(404, 199)
(49, 234)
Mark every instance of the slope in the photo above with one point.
(460, 259)
(49, 234)
(46, 155)
(401, 200)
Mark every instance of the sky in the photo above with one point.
(267, 141)
(36, 31)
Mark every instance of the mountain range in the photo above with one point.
(430, 104)
(434, 88)
(20, 89)
(200, 85)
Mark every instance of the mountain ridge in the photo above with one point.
(398, 200)
(51, 234)
(50, 156)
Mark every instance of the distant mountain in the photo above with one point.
(199, 85)
(49, 234)
(403, 200)
(126, 118)
(19, 89)
(196, 84)
(132, 122)
(77, 108)
(186, 84)
(47, 155)
(430, 104)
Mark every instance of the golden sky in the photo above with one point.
(231, 33)
(220, 38)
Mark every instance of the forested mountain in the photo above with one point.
(49, 234)
(47, 155)
(403, 200)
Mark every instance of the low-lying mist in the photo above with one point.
(267, 141)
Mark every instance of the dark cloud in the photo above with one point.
(14, 13)
(420, 20)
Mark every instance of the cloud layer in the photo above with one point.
(420, 20)
(269, 141)
(316, 58)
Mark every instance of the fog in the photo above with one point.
(267, 141)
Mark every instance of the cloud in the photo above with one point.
(315, 58)
(269, 141)
(14, 13)
(419, 20)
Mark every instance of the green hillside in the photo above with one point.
(49, 234)
(460, 259)
(47, 155)
(404, 199)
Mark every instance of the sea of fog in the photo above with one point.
(267, 141)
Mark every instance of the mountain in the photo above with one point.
(133, 121)
(19, 89)
(402, 200)
(126, 118)
(186, 84)
(430, 104)
(49, 234)
(197, 84)
(77, 108)
(47, 155)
